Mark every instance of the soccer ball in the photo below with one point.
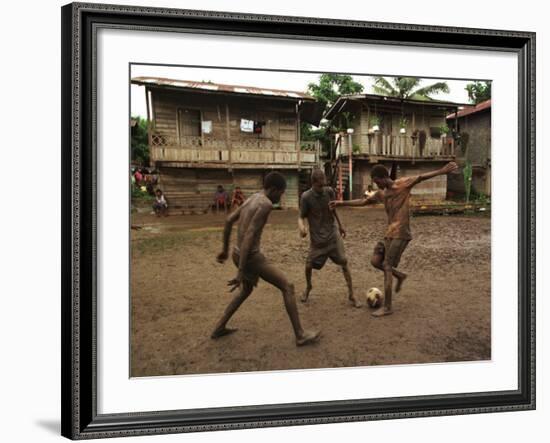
(374, 297)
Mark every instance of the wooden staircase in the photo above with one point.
(339, 179)
(342, 174)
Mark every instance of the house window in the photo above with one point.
(436, 123)
(189, 122)
(435, 132)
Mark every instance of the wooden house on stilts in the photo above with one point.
(203, 134)
(410, 136)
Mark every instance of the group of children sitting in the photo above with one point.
(221, 200)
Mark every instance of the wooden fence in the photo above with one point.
(191, 149)
(402, 146)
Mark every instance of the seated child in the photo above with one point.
(238, 198)
(159, 205)
(221, 198)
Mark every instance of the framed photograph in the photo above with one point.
(274, 221)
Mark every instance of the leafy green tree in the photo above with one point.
(139, 141)
(478, 92)
(331, 86)
(310, 133)
(408, 88)
(327, 91)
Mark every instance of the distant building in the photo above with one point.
(409, 135)
(474, 134)
(206, 134)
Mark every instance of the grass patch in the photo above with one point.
(164, 242)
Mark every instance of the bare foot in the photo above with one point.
(382, 311)
(305, 295)
(308, 337)
(355, 301)
(399, 283)
(221, 332)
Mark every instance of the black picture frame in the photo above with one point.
(79, 172)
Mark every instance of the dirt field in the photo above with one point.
(179, 291)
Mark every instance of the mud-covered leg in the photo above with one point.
(400, 277)
(349, 283)
(377, 261)
(309, 271)
(275, 277)
(388, 282)
(221, 329)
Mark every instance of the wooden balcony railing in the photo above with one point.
(187, 142)
(205, 149)
(406, 146)
(385, 145)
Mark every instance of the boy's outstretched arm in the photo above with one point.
(336, 203)
(358, 202)
(229, 222)
(447, 169)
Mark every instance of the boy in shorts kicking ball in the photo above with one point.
(395, 195)
(325, 232)
(252, 264)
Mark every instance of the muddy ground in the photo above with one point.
(178, 292)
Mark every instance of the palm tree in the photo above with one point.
(408, 88)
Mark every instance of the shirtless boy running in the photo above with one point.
(325, 232)
(252, 264)
(395, 196)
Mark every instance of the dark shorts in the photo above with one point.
(253, 267)
(391, 250)
(318, 256)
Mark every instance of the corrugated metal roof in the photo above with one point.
(432, 102)
(218, 87)
(342, 101)
(471, 109)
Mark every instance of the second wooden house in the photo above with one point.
(409, 135)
